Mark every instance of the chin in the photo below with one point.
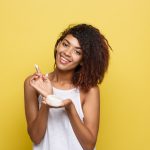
(64, 68)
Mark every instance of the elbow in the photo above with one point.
(34, 137)
(89, 147)
(36, 141)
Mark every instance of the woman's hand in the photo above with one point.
(42, 84)
(67, 103)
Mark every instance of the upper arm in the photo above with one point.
(91, 110)
(30, 100)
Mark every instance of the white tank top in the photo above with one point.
(59, 133)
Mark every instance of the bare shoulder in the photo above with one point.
(27, 83)
(93, 90)
(92, 97)
(87, 96)
(27, 80)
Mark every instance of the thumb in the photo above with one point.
(44, 100)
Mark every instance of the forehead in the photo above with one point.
(72, 40)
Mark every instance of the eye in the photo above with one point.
(77, 52)
(65, 44)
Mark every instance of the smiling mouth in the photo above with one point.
(64, 60)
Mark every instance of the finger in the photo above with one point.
(43, 98)
(67, 103)
(44, 102)
(34, 77)
(36, 74)
(45, 77)
(37, 68)
(39, 74)
(32, 82)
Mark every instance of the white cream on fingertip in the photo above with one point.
(36, 67)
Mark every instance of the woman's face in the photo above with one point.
(69, 54)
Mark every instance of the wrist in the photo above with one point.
(44, 106)
(48, 93)
(69, 106)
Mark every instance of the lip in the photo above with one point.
(64, 60)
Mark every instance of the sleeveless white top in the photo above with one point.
(59, 133)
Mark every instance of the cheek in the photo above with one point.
(60, 48)
(78, 59)
(58, 51)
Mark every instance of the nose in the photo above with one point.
(68, 52)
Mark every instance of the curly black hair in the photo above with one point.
(96, 55)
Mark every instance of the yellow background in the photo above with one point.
(28, 31)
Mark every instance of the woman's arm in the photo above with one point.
(86, 131)
(36, 118)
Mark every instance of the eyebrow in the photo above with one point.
(70, 44)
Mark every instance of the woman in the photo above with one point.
(81, 60)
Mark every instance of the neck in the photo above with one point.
(63, 77)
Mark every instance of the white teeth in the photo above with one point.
(63, 60)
